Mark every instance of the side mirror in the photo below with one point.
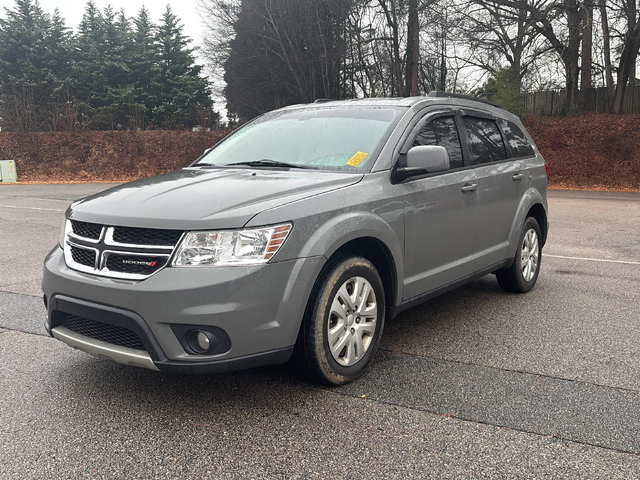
(425, 159)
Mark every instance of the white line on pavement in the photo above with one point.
(33, 208)
(592, 259)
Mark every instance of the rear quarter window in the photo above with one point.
(516, 138)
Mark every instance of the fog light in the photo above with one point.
(203, 341)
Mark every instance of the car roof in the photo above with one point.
(434, 98)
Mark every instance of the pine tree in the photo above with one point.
(116, 73)
(185, 95)
(120, 98)
(89, 58)
(145, 71)
(34, 64)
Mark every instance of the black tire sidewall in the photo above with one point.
(530, 223)
(342, 271)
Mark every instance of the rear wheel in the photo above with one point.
(343, 322)
(524, 271)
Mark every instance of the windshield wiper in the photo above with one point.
(266, 163)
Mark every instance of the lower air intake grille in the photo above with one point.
(102, 331)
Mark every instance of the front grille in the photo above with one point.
(135, 264)
(146, 236)
(119, 252)
(104, 332)
(83, 256)
(86, 230)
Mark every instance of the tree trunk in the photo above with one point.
(391, 14)
(413, 50)
(606, 46)
(571, 53)
(587, 44)
(627, 66)
(633, 21)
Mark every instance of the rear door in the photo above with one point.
(501, 184)
(441, 212)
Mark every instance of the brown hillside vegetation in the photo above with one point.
(102, 156)
(590, 151)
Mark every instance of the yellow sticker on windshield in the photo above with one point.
(357, 159)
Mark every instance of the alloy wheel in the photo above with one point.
(352, 321)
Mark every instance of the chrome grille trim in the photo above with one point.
(105, 246)
(70, 234)
(75, 265)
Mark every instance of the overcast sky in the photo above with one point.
(72, 10)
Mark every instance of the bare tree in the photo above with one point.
(587, 47)
(627, 64)
(604, 19)
(413, 49)
(500, 36)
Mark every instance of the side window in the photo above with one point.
(442, 131)
(485, 140)
(516, 138)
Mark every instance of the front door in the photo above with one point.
(441, 213)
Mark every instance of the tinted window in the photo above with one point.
(516, 138)
(485, 139)
(443, 132)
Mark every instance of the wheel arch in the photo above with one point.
(538, 212)
(532, 204)
(366, 235)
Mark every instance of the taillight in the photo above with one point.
(546, 168)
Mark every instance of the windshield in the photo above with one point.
(342, 139)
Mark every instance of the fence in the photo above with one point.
(597, 100)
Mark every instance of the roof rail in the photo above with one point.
(436, 93)
(323, 100)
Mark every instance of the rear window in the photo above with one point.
(516, 139)
(485, 140)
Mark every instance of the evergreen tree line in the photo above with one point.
(115, 72)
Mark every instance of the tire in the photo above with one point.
(516, 279)
(325, 320)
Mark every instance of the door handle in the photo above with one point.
(517, 176)
(469, 187)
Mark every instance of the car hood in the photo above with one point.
(195, 198)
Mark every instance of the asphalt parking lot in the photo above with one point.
(476, 383)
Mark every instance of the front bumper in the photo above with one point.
(259, 307)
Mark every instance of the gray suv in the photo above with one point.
(299, 235)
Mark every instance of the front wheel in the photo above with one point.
(343, 322)
(523, 273)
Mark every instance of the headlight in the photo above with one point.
(241, 247)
